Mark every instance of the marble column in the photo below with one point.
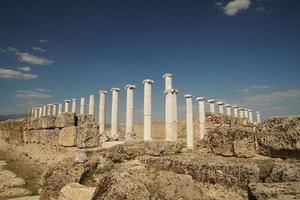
(168, 107)
(74, 101)
(228, 109)
(250, 116)
(40, 111)
(235, 111)
(114, 113)
(32, 112)
(67, 105)
(36, 112)
(92, 105)
(44, 110)
(246, 113)
(147, 109)
(60, 108)
(257, 117)
(241, 112)
(201, 101)
(102, 99)
(211, 105)
(174, 114)
(189, 121)
(54, 109)
(168, 81)
(82, 105)
(129, 111)
(49, 109)
(221, 107)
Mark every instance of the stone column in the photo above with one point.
(246, 113)
(147, 108)
(129, 111)
(201, 101)
(36, 112)
(60, 109)
(67, 105)
(44, 110)
(74, 100)
(250, 116)
(82, 105)
(189, 121)
(228, 109)
(49, 110)
(114, 113)
(168, 107)
(221, 107)
(40, 111)
(174, 114)
(235, 111)
(92, 105)
(212, 105)
(102, 95)
(54, 109)
(168, 81)
(241, 114)
(257, 117)
(32, 112)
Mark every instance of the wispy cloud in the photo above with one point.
(274, 96)
(42, 41)
(28, 58)
(254, 87)
(39, 49)
(33, 94)
(234, 6)
(24, 69)
(15, 74)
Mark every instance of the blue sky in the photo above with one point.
(245, 52)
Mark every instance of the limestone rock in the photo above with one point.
(274, 191)
(27, 198)
(232, 141)
(80, 157)
(67, 136)
(13, 192)
(284, 172)
(65, 120)
(10, 179)
(279, 137)
(76, 191)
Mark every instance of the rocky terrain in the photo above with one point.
(237, 160)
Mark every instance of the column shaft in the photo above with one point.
(60, 109)
(54, 108)
(82, 105)
(189, 121)
(129, 111)
(74, 105)
(92, 105)
(201, 101)
(147, 109)
(102, 94)
(114, 113)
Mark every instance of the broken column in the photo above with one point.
(147, 108)
(228, 109)
(201, 101)
(49, 109)
(114, 113)
(67, 105)
(59, 109)
(235, 111)
(189, 121)
(102, 95)
(129, 111)
(211, 105)
(257, 117)
(221, 107)
(74, 100)
(168, 107)
(82, 105)
(241, 112)
(174, 114)
(54, 108)
(92, 105)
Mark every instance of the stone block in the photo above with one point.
(76, 191)
(67, 136)
(65, 120)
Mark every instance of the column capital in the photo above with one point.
(102, 91)
(129, 86)
(74, 99)
(200, 98)
(168, 91)
(220, 103)
(167, 75)
(257, 112)
(115, 89)
(227, 105)
(188, 96)
(249, 110)
(148, 81)
(55, 103)
(67, 100)
(49, 104)
(241, 108)
(234, 106)
(211, 101)
(175, 91)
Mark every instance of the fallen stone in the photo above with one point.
(284, 172)
(27, 198)
(76, 191)
(274, 191)
(10, 179)
(80, 157)
(13, 192)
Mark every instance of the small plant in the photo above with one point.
(106, 167)
(34, 191)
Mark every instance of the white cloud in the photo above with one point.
(43, 41)
(15, 74)
(24, 69)
(3, 50)
(29, 58)
(275, 96)
(254, 87)
(219, 4)
(39, 49)
(32, 94)
(235, 6)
